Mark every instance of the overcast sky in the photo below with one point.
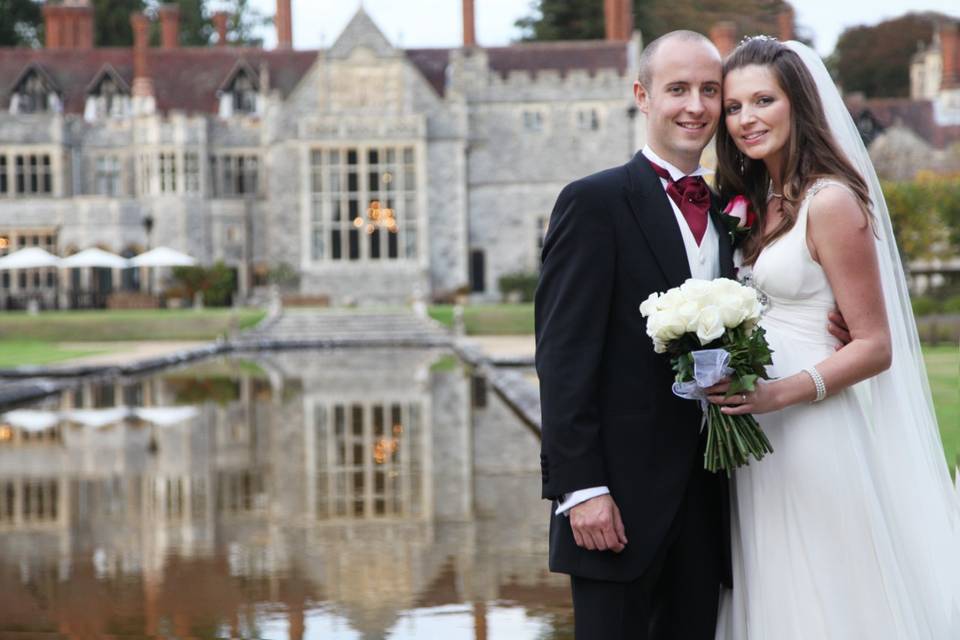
(436, 23)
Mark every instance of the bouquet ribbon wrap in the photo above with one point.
(710, 366)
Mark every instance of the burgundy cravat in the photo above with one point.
(691, 195)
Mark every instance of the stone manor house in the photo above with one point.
(378, 174)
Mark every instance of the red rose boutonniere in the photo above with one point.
(739, 217)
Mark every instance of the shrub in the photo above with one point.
(951, 305)
(520, 284)
(925, 305)
(217, 283)
(285, 276)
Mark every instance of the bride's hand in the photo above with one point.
(763, 399)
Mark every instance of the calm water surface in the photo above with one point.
(301, 494)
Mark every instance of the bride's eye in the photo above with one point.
(765, 100)
(732, 109)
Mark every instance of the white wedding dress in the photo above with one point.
(850, 529)
(816, 544)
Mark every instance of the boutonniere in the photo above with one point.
(739, 217)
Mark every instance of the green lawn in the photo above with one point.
(19, 352)
(943, 369)
(489, 319)
(100, 326)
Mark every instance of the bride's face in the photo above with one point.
(756, 111)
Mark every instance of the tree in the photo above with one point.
(876, 60)
(195, 27)
(196, 30)
(245, 22)
(583, 19)
(112, 22)
(563, 20)
(22, 23)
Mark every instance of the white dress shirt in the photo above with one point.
(704, 261)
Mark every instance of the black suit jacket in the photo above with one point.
(609, 416)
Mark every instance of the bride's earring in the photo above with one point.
(742, 162)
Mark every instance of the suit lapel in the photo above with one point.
(726, 249)
(652, 210)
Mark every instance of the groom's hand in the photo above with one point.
(838, 328)
(597, 525)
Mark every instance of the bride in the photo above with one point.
(851, 528)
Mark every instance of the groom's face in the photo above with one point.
(682, 103)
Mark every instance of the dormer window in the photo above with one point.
(244, 95)
(107, 96)
(240, 94)
(34, 92)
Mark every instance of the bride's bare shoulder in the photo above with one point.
(834, 206)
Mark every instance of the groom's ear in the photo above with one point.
(641, 96)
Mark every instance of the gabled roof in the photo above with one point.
(34, 67)
(916, 115)
(184, 79)
(582, 55)
(241, 66)
(107, 70)
(564, 56)
(189, 78)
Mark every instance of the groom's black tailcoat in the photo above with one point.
(609, 416)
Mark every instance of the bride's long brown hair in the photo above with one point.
(812, 152)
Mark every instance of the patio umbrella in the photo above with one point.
(96, 417)
(163, 257)
(94, 257)
(29, 258)
(165, 416)
(31, 419)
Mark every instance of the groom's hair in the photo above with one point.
(645, 74)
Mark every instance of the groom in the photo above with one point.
(638, 524)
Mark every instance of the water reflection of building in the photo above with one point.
(375, 483)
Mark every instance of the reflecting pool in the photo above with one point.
(298, 494)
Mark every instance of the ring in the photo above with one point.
(743, 398)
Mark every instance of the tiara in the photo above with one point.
(761, 37)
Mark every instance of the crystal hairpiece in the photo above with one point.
(761, 37)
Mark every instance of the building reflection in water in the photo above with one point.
(333, 494)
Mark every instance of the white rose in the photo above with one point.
(751, 304)
(695, 290)
(670, 299)
(659, 347)
(669, 326)
(689, 312)
(649, 305)
(709, 325)
(732, 312)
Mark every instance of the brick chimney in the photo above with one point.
(469, 24)
(950, 50)
(68, 25)
(785, 24)
(220, 19)
(142, 82)
(169, 26)
(284, 23)
(618, 19)
(724, 36)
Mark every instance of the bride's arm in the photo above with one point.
(841, 239)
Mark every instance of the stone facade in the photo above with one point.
(466, 147)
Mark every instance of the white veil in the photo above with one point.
(906, 459)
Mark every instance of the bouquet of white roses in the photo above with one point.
(710, 329)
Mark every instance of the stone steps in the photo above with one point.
(347, 327)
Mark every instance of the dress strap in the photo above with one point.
(819, 185)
